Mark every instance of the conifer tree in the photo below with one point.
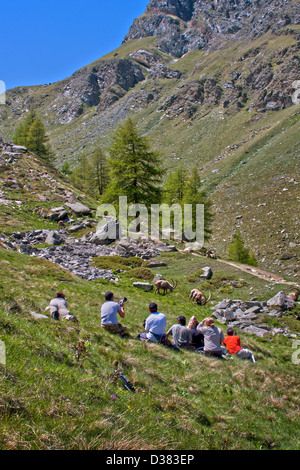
(32, 134)
(183, 188)
(238, 252)
(83, 174)
(20, 136)
(194, 194)
(100, 169)
(174, 186)
(134, 170)
(37, 139)
(66, 169)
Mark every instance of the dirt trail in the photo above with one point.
(267, 276)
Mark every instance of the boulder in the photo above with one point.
(76, 228)
(145, 286)
(281, 300)
(107, 233)
(158, 277)
(19, 148)
(79, 208)
(166, 247)
(254, 330)
(223, 304)
(207, 273)
(228, 314)
(57, 214)
(53, 238)
(252, 310)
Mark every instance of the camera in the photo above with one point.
(123, 300)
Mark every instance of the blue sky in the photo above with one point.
(43, 42)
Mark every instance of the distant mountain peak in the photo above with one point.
(182, 8)
(184, 25)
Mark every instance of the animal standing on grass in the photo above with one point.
(165, 286)
(199, 297)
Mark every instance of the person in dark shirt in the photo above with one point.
(197, 337)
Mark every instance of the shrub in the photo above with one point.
(142, 273)
(117, 262)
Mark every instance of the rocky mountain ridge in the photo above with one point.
(182, 26)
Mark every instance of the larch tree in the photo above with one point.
(194, 194)
(134, 170)
(32, 134)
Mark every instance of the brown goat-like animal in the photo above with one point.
(199, 297)
(165, 286)
(294, 295)
(210, 254)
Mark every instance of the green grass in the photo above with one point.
(50, 399)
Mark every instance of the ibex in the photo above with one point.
(294, 295)
(199, 297)
(209, 254)
(165, 286)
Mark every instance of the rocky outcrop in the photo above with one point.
(181, 26)
(183, 9)
(246, 315)
(98, 86)
(76, 255)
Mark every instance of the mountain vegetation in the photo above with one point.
(195, 107)
(222, 102)
(134, 170)
(32, 134)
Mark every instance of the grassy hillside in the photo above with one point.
(51, 399)
(246, 155)
(30, 185)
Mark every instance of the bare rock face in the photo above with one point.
(99, 86)
(185, 25)
(181, 8)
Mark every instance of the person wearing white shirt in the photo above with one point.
(155, 325)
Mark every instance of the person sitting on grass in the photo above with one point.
(233, 344)
(197, 337)
(182, 336)
(155, 325)
(213, 338)
(109, 315)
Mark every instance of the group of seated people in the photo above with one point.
(201, 336)
(198, 336)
